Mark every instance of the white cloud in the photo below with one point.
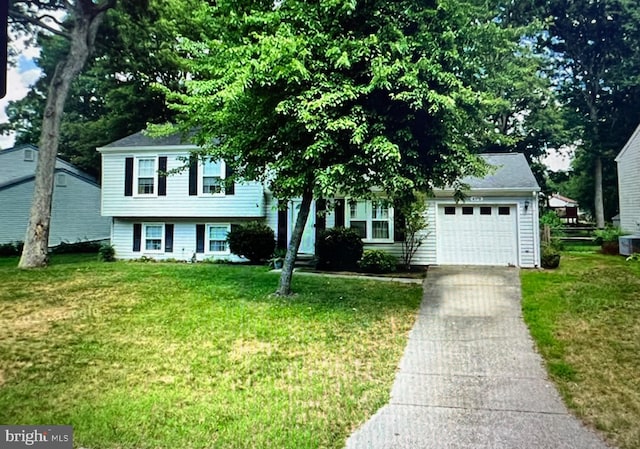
(560, 159)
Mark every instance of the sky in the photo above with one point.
(21, 76)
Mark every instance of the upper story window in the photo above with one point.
(212, 179)
(61, 180)
(29, 155)
(146, 171)
(372, 220)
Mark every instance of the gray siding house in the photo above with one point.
(629, 184)
(75, 212)
(187, 214)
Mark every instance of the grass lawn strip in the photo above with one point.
(158, 355)
(585, 318)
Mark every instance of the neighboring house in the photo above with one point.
(75, 211)
(629, 184)
(186, 215)
(565, 208)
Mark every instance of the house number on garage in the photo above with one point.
(475, 199)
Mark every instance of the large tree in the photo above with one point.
(114, 96)
(336, 97)
(80, 27)
(595, 44)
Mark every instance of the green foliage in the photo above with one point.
(11, 249)
(414, 222)
(76, 248)
(338, 249)
(106, 253)
(608, 234)
(551, 219)
(255, 241)
(550, 257)
(377, 261)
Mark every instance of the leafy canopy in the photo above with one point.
(341, 95)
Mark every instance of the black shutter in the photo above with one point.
(168, 238)
(229, 189)
(339, 213)
(137, 237)
(282, 227)
(200, 238)
(321, 217)
(162, 176)
(398, 226)
(193, 175)
(128, 176)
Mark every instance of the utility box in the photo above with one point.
(629, 244)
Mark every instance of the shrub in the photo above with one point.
(255, 241)
(11, 249)
(550, 257)
(376, 261)
(338, 249)
(609, 234)
(75, 248)
(106, 253)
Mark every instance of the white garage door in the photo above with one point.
(477, 235)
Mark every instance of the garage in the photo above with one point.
(483, 234)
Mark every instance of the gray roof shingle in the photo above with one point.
(512, 172)
(141, 139)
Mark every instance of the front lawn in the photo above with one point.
(158, 355)
(585, 319)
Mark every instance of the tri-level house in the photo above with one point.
(187, 215)
(75, 211)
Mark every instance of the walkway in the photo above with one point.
(469, 377)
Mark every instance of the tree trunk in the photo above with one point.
(284, 288)
(85, 25)
(598, 197)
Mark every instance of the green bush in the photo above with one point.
(338, 249)
(609, 234)
(255, 241)
(106, 253)
(76, 248)
(11, 249)
(376, 261)
(550, 257)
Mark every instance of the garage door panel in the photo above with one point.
(477, 238)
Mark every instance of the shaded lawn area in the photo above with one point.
(585, 319)
(155, 355)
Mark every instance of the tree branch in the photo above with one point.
(21, 17)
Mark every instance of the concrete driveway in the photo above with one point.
(470, 377)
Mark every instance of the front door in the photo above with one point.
(307, 245)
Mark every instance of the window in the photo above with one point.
(504, 210)
(372, 220)
(146, 176)
(29, 155)
(153, 237)
(217, 238)
(61, 180)
(449, 210)
(212, 177)
(485, 210)
(379, 220)
(358, 218)
(466, 210)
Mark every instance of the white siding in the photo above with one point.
(75, 214)
(629, 186)
(248, 200)
(184, 241)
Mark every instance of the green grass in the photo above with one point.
(585, 319)
(154, 355)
